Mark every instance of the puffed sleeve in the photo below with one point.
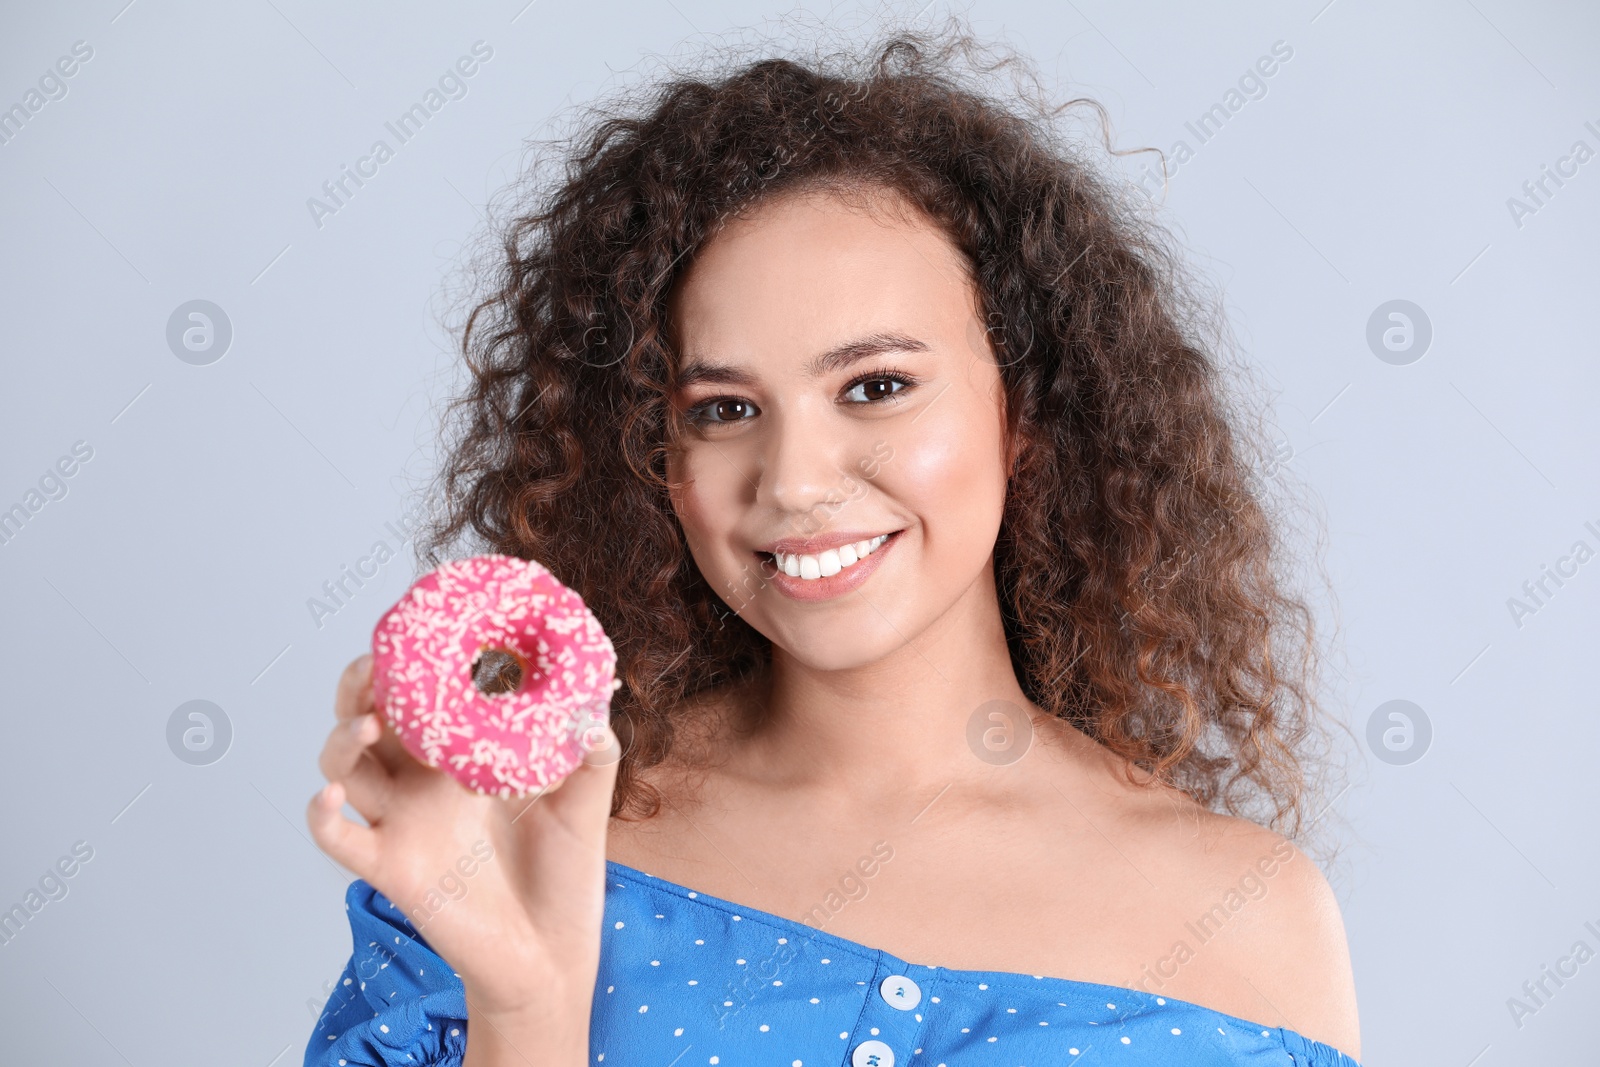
(1308, 1053)
(398, 1004)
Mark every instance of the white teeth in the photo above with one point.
(826, 564)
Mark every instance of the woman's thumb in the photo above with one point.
(584, 796)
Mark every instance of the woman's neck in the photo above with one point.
(892, 728)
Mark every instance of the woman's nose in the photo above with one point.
(800, 464)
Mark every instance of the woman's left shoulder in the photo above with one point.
(1273, 913)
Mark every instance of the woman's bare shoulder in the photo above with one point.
(1266, 909)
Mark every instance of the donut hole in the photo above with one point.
(498, 671)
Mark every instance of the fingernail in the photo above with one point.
(358, 725)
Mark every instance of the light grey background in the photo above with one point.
(1377, 166)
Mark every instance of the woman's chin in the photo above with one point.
(837, 646)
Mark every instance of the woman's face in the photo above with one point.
(845, 463)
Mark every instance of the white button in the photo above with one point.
(872, 1054)
(900, 991)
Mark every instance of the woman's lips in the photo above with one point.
(835, 585)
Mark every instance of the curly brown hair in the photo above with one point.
(1141, 574)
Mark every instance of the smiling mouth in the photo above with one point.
(812, 567)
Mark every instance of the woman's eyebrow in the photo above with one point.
(842, 356)
(836, 358)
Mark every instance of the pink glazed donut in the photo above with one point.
(426, 649)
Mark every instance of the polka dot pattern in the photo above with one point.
(689, 978)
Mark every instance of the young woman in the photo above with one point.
(952, 625)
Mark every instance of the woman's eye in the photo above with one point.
(874, 389)
(726, 409)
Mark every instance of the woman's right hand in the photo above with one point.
(525, 935)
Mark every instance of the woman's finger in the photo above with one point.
(387, 749)
(346, 759)
(353, 846)
(346, 742)
(583, 800)
(353, 696)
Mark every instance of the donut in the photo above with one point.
(490, 669)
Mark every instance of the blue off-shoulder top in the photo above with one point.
(687, 979)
